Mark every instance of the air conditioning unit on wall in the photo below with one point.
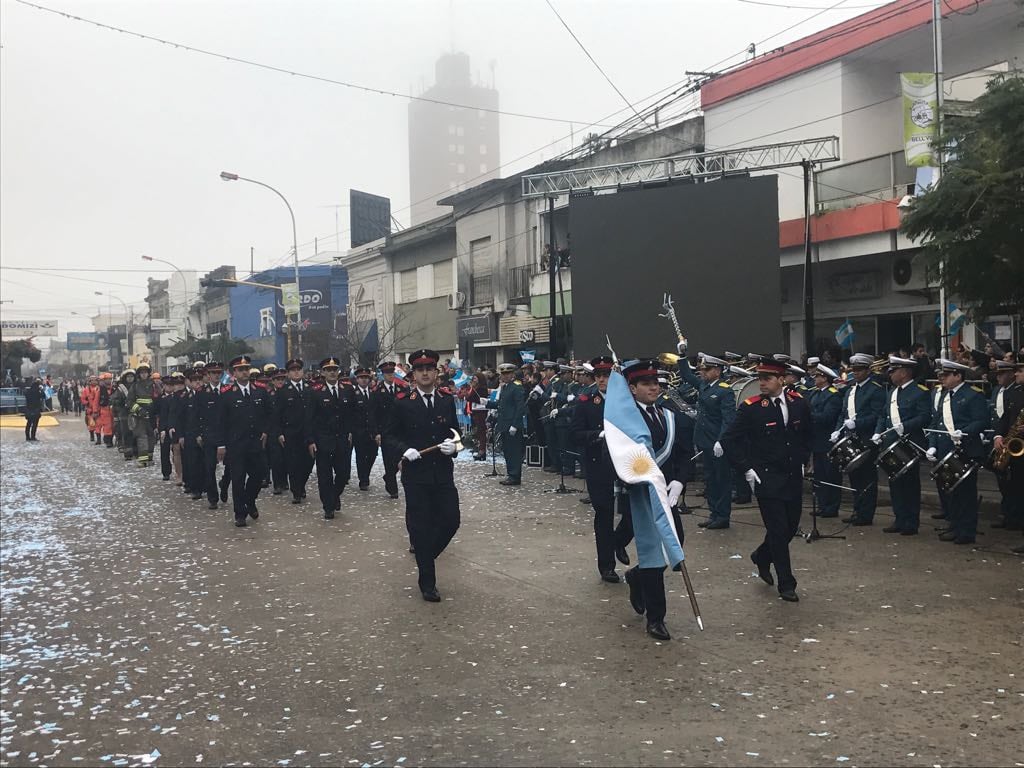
(456, 300)
(911, 274)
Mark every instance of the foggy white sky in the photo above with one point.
(111, 145)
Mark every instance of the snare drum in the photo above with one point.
(849, 453)
(952, 471)
(898, 459)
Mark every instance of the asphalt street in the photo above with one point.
(140, 628)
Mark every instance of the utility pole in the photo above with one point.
(937, 62)
(552, 272)
(808, 274)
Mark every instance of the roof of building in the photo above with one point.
(827, 45)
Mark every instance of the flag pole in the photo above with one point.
(689, 591)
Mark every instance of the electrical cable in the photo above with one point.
(284, 71)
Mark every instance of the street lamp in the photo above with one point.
(127, 318)
(228, 176)
(184, 289)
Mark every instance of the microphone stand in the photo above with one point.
(494, 466)
(562, 487)
(815, 534)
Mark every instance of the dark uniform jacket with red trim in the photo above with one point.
(410, 425)
(328, 417)
(240, 418)
(760, 439)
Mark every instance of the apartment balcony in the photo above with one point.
(884, 177)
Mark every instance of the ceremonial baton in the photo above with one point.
(670, 313)
(456, 438)
(689, 591)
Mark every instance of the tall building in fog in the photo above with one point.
(451, 148)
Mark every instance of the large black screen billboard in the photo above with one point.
(369, 217)
(713, 246)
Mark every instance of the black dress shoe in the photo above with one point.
(167, 478)
(827, 514)
(393, 494)
(303, 495)
(1018, 550)
(329, 514)
(196, 496)
(658, 630)
(636, 597)
(610, 576)
(412, 550)
(213, 505)
(861, 522)
(510, 481)
(789, 596)
(685, 510)
(240, 522)
(431, 595)
(908, 532)
(947, 536)
(717, 525)
(938, 516)
(337, 507)
(584, 500)
(253, 512)
(849, 520)
(266, 484)
(963, 540)
(703, 523)
(764, 571)
(622, 555)
(363, 487)
(892, 529)
(276, 492)
(223, 493)
(296, 499)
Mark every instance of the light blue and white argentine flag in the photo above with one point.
(629, 443)
(845, 335)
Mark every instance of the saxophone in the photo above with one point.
(1013, 445)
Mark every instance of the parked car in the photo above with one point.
(11, 400)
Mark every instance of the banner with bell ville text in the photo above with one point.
(920, 117)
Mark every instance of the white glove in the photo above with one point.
(675, 490)
(601, 435)
(876, 439)
(899, 429)
(850, 424)
(411, 454)
(538, 389)
(448, 446)
(718, 450)
(570, 398)
(554, 412)
(681, 347)
(553, 395)
(513, 431)
(752, 479)
(957, 436)
(930, 453)
(834, 436)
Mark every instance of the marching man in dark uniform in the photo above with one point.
(588, 436)
(364, 432)
(906, 414)
(329, 436)
(192, 473)
(825, 403)
(511, 407)
(420, 431)
(863, 404)
(1012, 516)
(716, 408)
(207, 402)
(243, 424)
(383, 400)
(770, 442)
(291, 403)
(1007, 426)
(960, 418)
(276, 462)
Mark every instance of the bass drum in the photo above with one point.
(745, 388)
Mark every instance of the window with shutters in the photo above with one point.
(408, 284)
(481, 264)
(442, 278)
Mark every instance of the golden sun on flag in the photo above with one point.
(641, 464)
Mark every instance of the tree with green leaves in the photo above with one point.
(13, 353)
(972, 221)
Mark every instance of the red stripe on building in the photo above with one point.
(835, 225)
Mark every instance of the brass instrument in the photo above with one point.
(1013, 445)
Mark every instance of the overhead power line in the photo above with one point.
(592, 59)
(293, 73)
(809, 7)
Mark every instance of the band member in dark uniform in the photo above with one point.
(244, 422)
(291, 403)
(383, 399)
(511, 410)
(588, 437)
(647, 585)
(422, 421)
(1010, 425)
(329, 435)
(770, 442)
(825, 404)
(863, 403)
(207, 401)
(364, 433)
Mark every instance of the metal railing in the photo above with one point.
(481, 290)
(519, 283)
(862, 182)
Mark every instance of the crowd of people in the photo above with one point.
(755, 427)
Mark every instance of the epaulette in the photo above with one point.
(583, 398)
(318, 387)
(792, 394)
(979, 390)
(725, 384)
(401, 395)
(516, 381)
(922, 387)
(876, 384)
(833, 390)
(753, 400)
